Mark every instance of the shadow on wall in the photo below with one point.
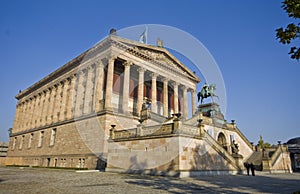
(203, 160)
(137, 167)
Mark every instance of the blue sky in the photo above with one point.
(37, 37)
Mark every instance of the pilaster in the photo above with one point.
(89, 88)
(57, 102)
(71, 97)
(47, 94)
(109, 83)
(99, 77)
(63, 106)
(80, 94)
(51, 104)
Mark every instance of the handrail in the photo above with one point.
(217, 147)
(276, 155)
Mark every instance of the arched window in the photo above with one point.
(222, 140)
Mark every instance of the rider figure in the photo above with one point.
(205, 88)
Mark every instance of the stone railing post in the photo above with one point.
(112, 132)
(177, 123)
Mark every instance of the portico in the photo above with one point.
(132, 83)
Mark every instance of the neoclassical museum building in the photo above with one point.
(123, 106)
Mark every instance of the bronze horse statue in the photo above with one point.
(207, 91)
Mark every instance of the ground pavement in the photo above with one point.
(33, 180)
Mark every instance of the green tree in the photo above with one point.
(263, 144)
(292, 31)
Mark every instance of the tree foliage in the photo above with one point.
(292, 31)
(263, 144)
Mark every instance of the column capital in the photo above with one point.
(183, 87)
(53, 87)
(165, 79)
(174, 83)
(128, 63)
(191, 90)
(64, 81)
(141, 70)
(91, 66)
(83, 71)
(59, 84)
(154, 75)
(98, 61)
(111, 57)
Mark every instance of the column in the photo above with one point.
(50, 106)
(194, 104)
(57, 102)
(20, 117)
(140, 90)
(80, 94)
(63, 106)
(175, 88)
(166, 111)
(71, 97)
(153, 93)
(30, 112)
(37, 110)
(126, 83)
(24, 109)
(46, 106)
(42, 105)
(185, 102)
(109, 83)
(89, 88)
(25, 113)
(17, 117)
(34, 113)
(98, 96)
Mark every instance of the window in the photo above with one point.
(30, 140)
(21, 142)
(53, 136)
(41, 139)
(116, 83)
(14, 143)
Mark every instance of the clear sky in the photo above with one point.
(262, 82)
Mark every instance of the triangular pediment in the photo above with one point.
(156, 54)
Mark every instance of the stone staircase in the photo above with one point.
(222, 152)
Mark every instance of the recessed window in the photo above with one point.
(21, 142)
(53, 136)
(41, 139)
(30, 140)
(14, 143)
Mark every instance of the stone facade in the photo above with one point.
(124, 105)
(179, 147)
(63, 120)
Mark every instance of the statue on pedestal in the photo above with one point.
(207, 91)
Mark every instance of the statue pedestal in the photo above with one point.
(239, 161)
(145, 114)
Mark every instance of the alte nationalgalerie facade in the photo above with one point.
(116, 106)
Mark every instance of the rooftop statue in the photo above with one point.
(207, 91)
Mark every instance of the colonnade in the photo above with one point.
(84, 93)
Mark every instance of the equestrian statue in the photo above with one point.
(207, 91)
